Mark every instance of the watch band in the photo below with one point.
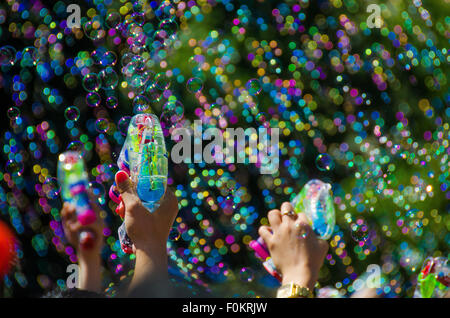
(293, 290)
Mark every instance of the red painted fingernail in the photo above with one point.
(121, 176)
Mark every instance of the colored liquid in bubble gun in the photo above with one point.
(73, 179)
(150, 190)
(144, 158)
(434, 279)
(316, 201)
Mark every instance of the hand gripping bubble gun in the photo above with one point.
(74, 183)
(434, 278)
(316, 201)
(144, 158)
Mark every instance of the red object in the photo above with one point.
(7, 250)
(121, 176)
(126, 249)
(120, 210)
(87, 240)
(427, 268)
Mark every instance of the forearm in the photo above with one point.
(150, 277)
(90, 274)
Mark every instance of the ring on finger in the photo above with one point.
(288, 213)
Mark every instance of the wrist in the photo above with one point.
(89, 259)
(153, 255)
(150, 249)
(301, 276)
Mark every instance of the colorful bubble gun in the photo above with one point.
(434, 278)
(74, 183)
(144, 158)
(316, 201)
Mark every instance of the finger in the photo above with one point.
(323, 247)
(287, 212)
(302, 218)
(265, 233)
(120, 210)
(93, 201)
(169, 206)
(303, 228)
(75, 227)
(126, 188)
(274, 217)
(68, 212)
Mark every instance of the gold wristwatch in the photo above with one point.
(292, 290)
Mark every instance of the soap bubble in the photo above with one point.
(138, 18)
(138, 5)
(246, 274)
(113, 19)
(51, 188)
(102, 125)
(98, 190)
(172, 112)
(93, 30)
(7, 55)
(77, 146)
(162, 81)
(168, 26)
(161, 37)
(261, 117)
(165, 11)
(174, 234)
(14, 168)
(108, 59)
(414, 222)
(253, 86)
(30, 57)
(324, 162)
(139, 79)
(136, 65)
(140, 104)
(97, 55)
(153, 93)
(127, 58)
(13, 112)
(93, 99)
(123, 125)
(194, 85)
(91, 82)
(109, 78)
(72, 113)
(360, 231)
(112, 102)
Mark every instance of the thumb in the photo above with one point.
(125, 186)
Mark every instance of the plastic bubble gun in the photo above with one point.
(144, 158)
(434, 278)
(316, 201)
(74, 183)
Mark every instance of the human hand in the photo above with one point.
(88, 256)
(72, 229)
(148, 231)
(294, 247)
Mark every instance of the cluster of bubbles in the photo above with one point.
(339, 93)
